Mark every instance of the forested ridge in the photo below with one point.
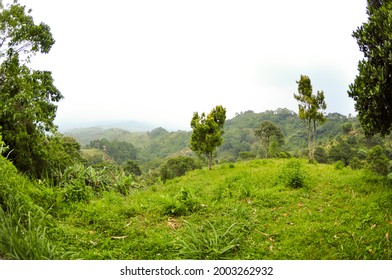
(340, 138)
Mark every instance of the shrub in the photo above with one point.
(183, 203)
(339, 165)
(355, 163)
(76, 192)
(293, 175)
(246, 155)
(283, 155)
(320, 155)
(177, 167)
(132, 167)
(378, 161)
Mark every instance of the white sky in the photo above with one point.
(158, 61)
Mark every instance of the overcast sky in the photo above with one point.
(158, 61)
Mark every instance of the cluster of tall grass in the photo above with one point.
(30, 209)
(23, 223)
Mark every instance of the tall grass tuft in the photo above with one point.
(24, 240)
(208, 242)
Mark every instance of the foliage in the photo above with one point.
(183, 203)
(27, 111)
(320, 155)
(341, 151)
(339, 165)
(293, 175)
(119, 151)
(309, 110)
(269, 132)
(3, 147)
(378, 161)
(239, 137)
(176, 167)
(371, 89)
(355, 163)
(246, 155)
(60, 152)
(207, 132)
(132, 168)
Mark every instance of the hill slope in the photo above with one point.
(239, 211)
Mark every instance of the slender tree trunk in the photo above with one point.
(209, 161)
(310, 141)
(314, 139)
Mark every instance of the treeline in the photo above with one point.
(341, 138)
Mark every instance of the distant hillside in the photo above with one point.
(128, 125)
(238, 139)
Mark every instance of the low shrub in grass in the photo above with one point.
(182, 204)
(339, 165)
(293, 174)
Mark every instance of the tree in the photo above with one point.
(270, 133)
(26, 109)
(207, 132)
(309, 110)
(372, 87)
(131, 167)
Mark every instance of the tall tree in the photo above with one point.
(207, 132)
(310, 106)
(372, 87)
(27, 111)
(267, 131)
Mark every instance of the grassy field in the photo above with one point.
(262, 209)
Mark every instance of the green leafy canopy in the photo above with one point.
(372, 88)
(27, 96)
(207, 132)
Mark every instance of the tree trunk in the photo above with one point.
(310, 141)
(314, 140)
(209, 161)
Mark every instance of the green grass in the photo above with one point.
(245, 212)
(249, 210)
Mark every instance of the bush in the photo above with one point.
(320, 155)
(355, 163)
(283, 155)
(339, 165)
(246, 155)
(177, 167)
(182, 204)
(132, 167)
(292, 174)
(378, 161)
